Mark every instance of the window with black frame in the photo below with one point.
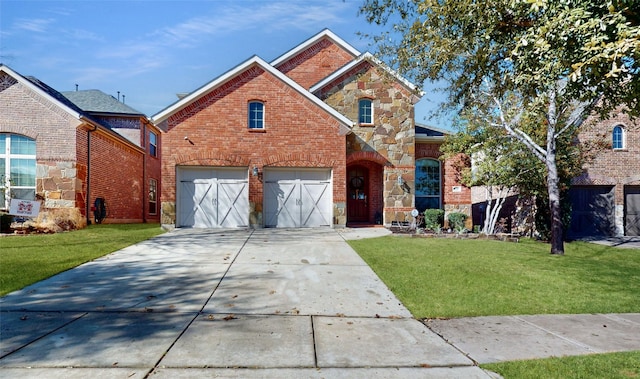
(428, 184)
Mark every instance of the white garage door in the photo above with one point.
(212, 197)
(295, 198)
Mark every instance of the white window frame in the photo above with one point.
(623, 141)
(5, 177)
(252, 116)
(361, 114)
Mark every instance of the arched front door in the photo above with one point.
(358, 194)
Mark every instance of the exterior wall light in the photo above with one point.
(255, 171)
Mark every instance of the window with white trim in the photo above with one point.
(618, 137)
(365, 111)
(256, 115)
(17, 168)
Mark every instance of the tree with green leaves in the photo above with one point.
(520, 60)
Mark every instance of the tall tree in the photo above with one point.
(548, 54)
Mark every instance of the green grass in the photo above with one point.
(28, 259)
(443, 277)
(611, 366)
(438, 277)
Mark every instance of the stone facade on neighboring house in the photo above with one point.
(54, 151)
(606, 197)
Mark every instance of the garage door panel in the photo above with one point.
(212, 197)
(632, 211)
(592, 211)
(204, 203)
(315, 204)
(281, 204)
(233, 204)
(298, 198)
(187, 191)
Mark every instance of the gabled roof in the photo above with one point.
(426, 133)
(96, 101)
(326, 33)
(164, 114)
(351, 65)
(45, 91)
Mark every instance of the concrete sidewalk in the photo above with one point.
(492, 339)
(268, 303)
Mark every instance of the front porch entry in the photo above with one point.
(358, 194)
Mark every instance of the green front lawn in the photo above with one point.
(444, 277)
(28, 259)
(437, 277)
(610, 366)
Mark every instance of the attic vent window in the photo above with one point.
(256, 115)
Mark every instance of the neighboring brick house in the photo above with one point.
(321, 136)
(53, 150)
(605, 199)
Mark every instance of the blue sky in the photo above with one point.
(151, 50)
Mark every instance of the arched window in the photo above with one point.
(618, 137)
(428, 184)
(256, 115)
(17, 168)
(365, 111)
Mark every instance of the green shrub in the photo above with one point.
(433, 219)
(456, 220)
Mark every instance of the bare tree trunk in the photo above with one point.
(553, 189)
(493, 210)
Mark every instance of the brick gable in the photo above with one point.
(315, 63)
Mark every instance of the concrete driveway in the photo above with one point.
(268, 303)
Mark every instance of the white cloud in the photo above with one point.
(228, 17)
(38, 25)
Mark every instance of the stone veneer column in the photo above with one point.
(57, 184)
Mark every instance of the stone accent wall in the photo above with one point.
(58, 184)
(391, 137)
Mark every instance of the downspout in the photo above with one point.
(88, 197)
(145, 181)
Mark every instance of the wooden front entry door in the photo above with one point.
(358, 194)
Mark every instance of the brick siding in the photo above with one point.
(61, 156)
(297, 133)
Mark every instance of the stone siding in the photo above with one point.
(390, 139)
